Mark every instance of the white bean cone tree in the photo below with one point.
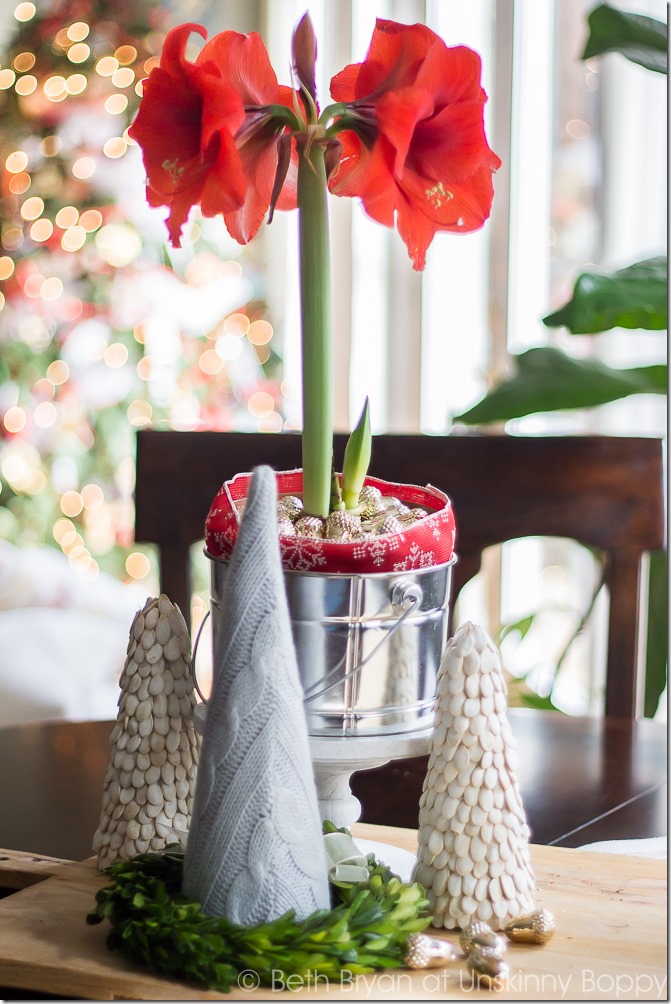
(473, 854)
(150, 781)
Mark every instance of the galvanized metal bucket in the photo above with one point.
(368, 646)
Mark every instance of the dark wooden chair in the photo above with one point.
(604, 492)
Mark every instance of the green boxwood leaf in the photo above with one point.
(549, 380)
(641, 39)
(633, 297)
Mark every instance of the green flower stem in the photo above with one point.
(316, 341)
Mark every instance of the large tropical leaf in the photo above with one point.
(633, 297)
(549, 380)
(656, 655)
(641, 39)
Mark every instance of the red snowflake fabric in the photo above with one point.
(427, 542)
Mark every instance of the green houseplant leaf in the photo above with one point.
(549, 380)
(633, 297)
(657, 633)
(642, 40)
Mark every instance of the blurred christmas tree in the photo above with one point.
(99, 333)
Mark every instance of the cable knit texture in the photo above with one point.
(255, 848)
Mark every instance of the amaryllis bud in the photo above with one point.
(357, 459)
(304, 54)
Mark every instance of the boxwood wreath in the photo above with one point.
(153, 923)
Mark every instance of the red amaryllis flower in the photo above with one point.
(207, 134)
(244, 65)
(416, 152)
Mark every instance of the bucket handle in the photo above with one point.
(405, 596)
(193, 658)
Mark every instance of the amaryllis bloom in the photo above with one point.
(415, 152)
(207, 133)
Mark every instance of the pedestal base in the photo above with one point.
(336, 759)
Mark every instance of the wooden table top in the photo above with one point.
(582, 779)
(610, 912)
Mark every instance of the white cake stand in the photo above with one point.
(336, 758)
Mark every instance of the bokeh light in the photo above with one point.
(16, 161)
(26, 85)
(15, 419)
(137, 565)
(58, 372)
(79, 52)
(41, 230)
(67, 217)
(6, 267)
(71, 503)
(24, 61)
(25, 11)
(83, 168)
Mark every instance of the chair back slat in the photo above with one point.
(605, 492)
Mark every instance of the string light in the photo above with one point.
(26, 85)
(115, 147)
(66, 217)
(45, 414)
(210, 362)
(125, 54)
(116, 355)
(58, 372)
(73, 239)
(17, 162)
(260, 332)
(93, 497)
(79, 52)
(260, 404)
(91, 220)
(123, 77)
(106, 66)
(71, 503)
(15, 419)
(12, 238)
(51, 289)
(19, 183)
(24, 61)
(116, 104)
(41, 230)
(7, 78)
(32, 208)
(78, 31)
(55, 88)
(61, 527)
(25, 11)
(137, 565)
(140, 413)
(76, 83)
(6, 267)
(237, 324)
(50, 146)
(84, 168)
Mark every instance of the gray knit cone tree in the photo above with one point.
(473, 854)
(255, 846)
(149, 784)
